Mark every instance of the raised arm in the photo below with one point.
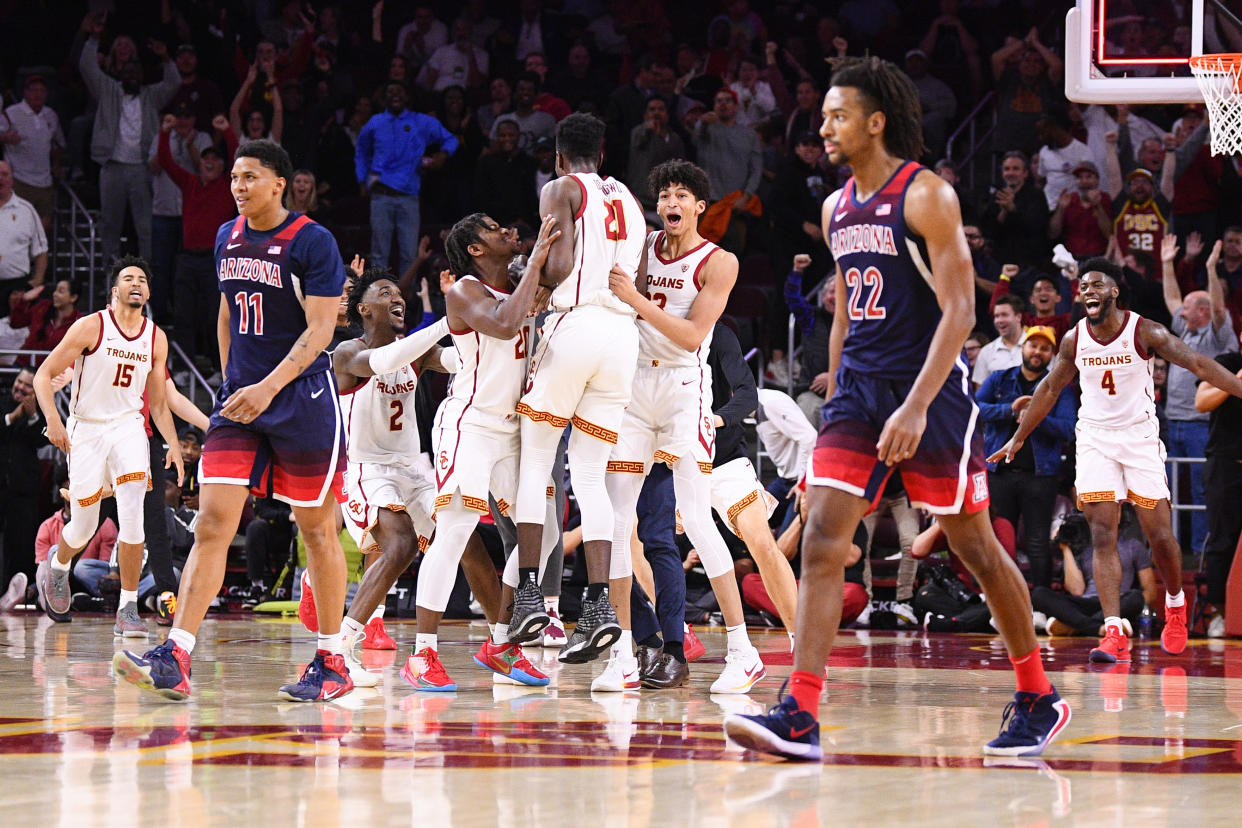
(1216, 291)
(82, 336)
(1157, 340)
(1045, 397)
(278, 115)
(242, 94)
(1168, 275)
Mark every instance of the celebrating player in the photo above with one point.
(116, 355)
(1119, 452)
(276, 426)
(900, 399)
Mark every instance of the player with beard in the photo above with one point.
(1119, 452)
(899, 400)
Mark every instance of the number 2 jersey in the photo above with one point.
(265, 277)
(891, 305)
(1115, 377)
(379, 418)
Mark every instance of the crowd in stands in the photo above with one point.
(401, 117)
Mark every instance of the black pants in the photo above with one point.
(972, 616)
(1031, 497)
(1222, 484)
(155, 523)
(657, 529)
(1083, 614)
(198, 303)
(265, 542)
(21, 525)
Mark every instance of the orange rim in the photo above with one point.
(1223, 62)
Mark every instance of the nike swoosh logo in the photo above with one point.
(839, 216)
(753, 672)
(688, 382)
(798, 734)
(231, 246)
(317, 393)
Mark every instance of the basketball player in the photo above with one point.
(276, 427)
(900, 399)
(476, 440)
(687, 280)
(1119, 453)
(581, 374)
(116, 355)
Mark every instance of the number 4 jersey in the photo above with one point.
(891, 305)
(1115, 377)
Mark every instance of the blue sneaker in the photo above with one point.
(164, 670)
(324, 679)
(1031, 722)
(785, 730)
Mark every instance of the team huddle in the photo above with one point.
(620, 363)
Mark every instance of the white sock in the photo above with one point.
(791, 642)
(625, 644)
(57, 565)
(491, 630)
(351, 629)
(1114, 621)
(1178, 600)
(552, 604)
(331, 643)
(379, 611)
(500, 634)
(182, 639)
(128, 596)
(685, 628)
(426, 641)
(738, 639)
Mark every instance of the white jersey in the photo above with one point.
(1116, 378)
(485, 392)
(380, 421)
(609, 229)
(109, 380)
(673, 284)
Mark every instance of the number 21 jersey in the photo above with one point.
(890, 302)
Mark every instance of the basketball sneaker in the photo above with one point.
(597, 630)
(423, 671)
(376, 637)
(620, 675)
(553, 635)
(1173, 637)
(361, 676)
(164, 669)
(165, 608)
(1114, 647)
(785, 730)
(529, 615)
(306, 605)
(324, 679)
(54, 594)
(16, 593)
(694, 648)
(742, 671)
(1030, 723)
(508, 660)
(128, 624)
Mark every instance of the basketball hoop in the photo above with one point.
(1218, 77)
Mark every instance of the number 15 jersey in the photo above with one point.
(890, 302)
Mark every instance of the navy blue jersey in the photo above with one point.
(265, 277)
(891, 305)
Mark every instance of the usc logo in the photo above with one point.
(355, 507)
(444, 461)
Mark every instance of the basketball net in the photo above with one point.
(1218, 77)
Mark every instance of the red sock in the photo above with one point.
(805, 688)
(1030, 671)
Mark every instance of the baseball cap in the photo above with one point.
(187, 47)
(1089, 166)
(1040, 330)
(1141, 172)
(916, 53)
(183, 109)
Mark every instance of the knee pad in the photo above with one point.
(693, 491)
(623, 489)
(588, 458)
(539, 446)
(439, 568)
(83, 521)
(129, 511)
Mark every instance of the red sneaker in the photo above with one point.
(508, 660)
(694, 648)
(424, 671)
(1173, 638)
(324, 679)
(306, 605)
(376, 637)
(1114, 647)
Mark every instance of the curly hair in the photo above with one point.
(359, 290)
(123, 262)
(269, 154)
(679, 171)
(580, 137)
(456, 244)
(1099, 264)
(883, 87)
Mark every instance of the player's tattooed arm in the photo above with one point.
(1156, 339)
(1045, 397)
(343, 361)
(83, 336)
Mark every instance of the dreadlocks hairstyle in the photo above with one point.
(463, 234)
(369, 277)
(123, 262)
(580, 137)
(679, 171)
(885, 88)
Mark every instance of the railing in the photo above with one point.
(753, 419)
(76, 245)
(970, 128)
(196, 378)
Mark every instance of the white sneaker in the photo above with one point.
(620, 675)
(553, 636)
(905, 614)
(742, 671)
(1039, 620)
(362, 677)
(1216, 627)
(863, 621)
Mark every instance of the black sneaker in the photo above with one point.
(596, 631)
(529, 615)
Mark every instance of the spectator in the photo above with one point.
(500, 103)
(125, 125)
(805, 179)
(457, 63)
(202, 94)
(1006, 350)
(1152, 154)
(21, 437)
(504, 180)
(974, 344)
(547, 101)
(937, 100)
(1026, 487)
(47, 319)
(23, 245)
(898, 613)
(95, 562)
(191, 440)
(815, 326)
(950, 601)
(532, 124)
(626, 109)
(733, 160)
(651, 143)
(1229, 270)
(808, 113)
(1141, 217)
(186, 145)
(756, 101)
(580, 82)
(304, 195)
(948, 171)
(393, 149)
(1027, 75)
(1017, 220)
(545, 165)
(1082, 217)
(788, 439)
(418, 40)
(33, 147)
(987, 274)
(1103, 125)
(1060, 156)
(1044, 298)
(534, 30)
(1198, 178)
(953, 51)
(1202, 323)
(446, 193)
(256, 126)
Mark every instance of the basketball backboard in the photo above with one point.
(1105, 58)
